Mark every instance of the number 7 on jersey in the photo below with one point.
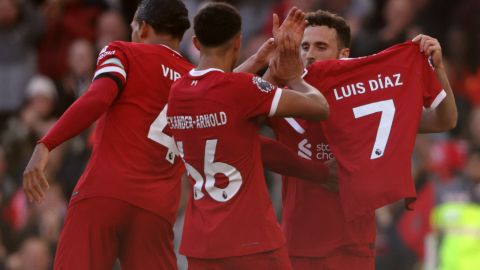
(387, 108)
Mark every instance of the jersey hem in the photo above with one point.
(75, 200)
(198, 256)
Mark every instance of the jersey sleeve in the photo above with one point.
(82, 113)
(433, 93)
(112, 62)
(256, 97)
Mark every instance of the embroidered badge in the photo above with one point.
(263, 85)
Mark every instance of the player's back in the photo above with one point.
(212, 116)
(125, 163)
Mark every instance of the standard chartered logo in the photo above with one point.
(322, 150)
(305, 149)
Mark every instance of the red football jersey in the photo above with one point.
(312, 218)
(213, 117)
(125, 164)
(376, 104)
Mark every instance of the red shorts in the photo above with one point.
(340, 262)
(99, 230)
(270, 260)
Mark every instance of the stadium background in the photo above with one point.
(47, 59)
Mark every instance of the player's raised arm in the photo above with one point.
(305, 101)
(444, 116)
(259, 60)
(294, 23)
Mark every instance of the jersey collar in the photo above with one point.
(171, 49)
(198, 73)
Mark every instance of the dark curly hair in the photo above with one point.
(216, 24)
(331, 20)
(165, 16)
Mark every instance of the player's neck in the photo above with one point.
(222, 61)
(172, 43)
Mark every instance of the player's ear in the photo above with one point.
(344, 53)
(143, 30)
(196, 42)
(237, 42)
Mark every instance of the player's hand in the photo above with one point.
(294, 24)
(265, 52)
(332, 181)
(431, 48)
(34, 181)
(286, 64)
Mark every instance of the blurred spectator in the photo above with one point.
(110, 27)
(20, 28)
(66, 21)
(398, 16)
(456, 218)
(32, 122)
(7, 188)
(78, 75)
(474, 127)
(74, 154)
(34, 254)
(7, 185)
(354, 11)
(49, 216)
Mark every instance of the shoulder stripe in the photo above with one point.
(114, 61)
(111, 69)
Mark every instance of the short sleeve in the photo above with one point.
(433, 93)
(112, 62)
(256, 97)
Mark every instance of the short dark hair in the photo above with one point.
(165, 16)
(216, 24)
(331, 20)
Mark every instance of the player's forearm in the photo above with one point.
(251, 65)
(313, 94)
(267, 76)
(82, 113)
(444, 117)
(280, 159)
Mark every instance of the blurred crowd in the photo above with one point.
(48, 54)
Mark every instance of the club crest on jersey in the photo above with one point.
(263, 85)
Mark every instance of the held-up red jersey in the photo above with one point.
(376, 104)
(213, 117)
(312, 217)
(125, 164)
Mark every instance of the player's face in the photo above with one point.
(319, 43)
